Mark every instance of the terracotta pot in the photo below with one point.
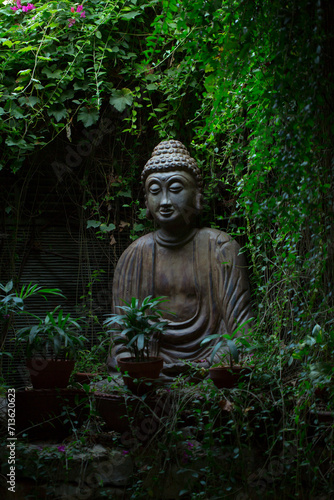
(227, 377)
(128, 413)
(50, 373)
(140, 375)
(40, 412)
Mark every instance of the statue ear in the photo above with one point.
(199, 201)
(148, 213)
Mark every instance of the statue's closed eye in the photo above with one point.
(175, 187)
(154, 188)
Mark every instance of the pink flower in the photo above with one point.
(25, 8)
(71, 22)
(72, 9)
(125, 452)
(79, 9)
(83, 14)
(61, 448)
(30, 6)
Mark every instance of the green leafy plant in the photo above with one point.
(140, 326)
(92, 360)
(56, 336)
(316, 353)
(12, 302)
(228, 344)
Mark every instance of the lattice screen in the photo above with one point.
(65, 258)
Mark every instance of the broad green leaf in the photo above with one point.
(29, 101)
(130, 15)
(58, 111)
(233, 349)
(16, 142)
(56, 74)
(8, 43)
(106, 228)
(88, 116)
(121, 99)
(93, 223)
(25, 71)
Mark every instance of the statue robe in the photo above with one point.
(219, 297)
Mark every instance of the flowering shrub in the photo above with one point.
(24, 8)
(60, 71)
(80, 11)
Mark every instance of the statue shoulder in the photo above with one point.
(143, 241)
(137, 247)
(222, 242)
(216, 236)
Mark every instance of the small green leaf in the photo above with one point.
(138, 227)
(130, 15)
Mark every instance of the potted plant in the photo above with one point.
(140, 329)
(90, 363)
(227, 375)
(51, 346)
(12, 302)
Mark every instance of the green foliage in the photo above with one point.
(140, 326)
(12, 302)
(247, 86)
(57, 335)
(230, 342)
(54, 72)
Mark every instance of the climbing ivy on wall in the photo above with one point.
(264, 130)
(246, 85)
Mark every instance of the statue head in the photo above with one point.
(173, 180)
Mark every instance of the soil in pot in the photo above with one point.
(50, 373)
(139, 376)
(227, 377)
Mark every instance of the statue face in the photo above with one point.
(172, 198)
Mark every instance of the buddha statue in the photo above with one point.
(199, 270)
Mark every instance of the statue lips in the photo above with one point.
(166, 212)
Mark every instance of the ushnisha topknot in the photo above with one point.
(172, 155)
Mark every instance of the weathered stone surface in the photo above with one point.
(92, 468)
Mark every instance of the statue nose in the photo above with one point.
(165, 199)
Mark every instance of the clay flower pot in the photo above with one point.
(50, 373)
(138, 376)
(227, 377)
(40, 413)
